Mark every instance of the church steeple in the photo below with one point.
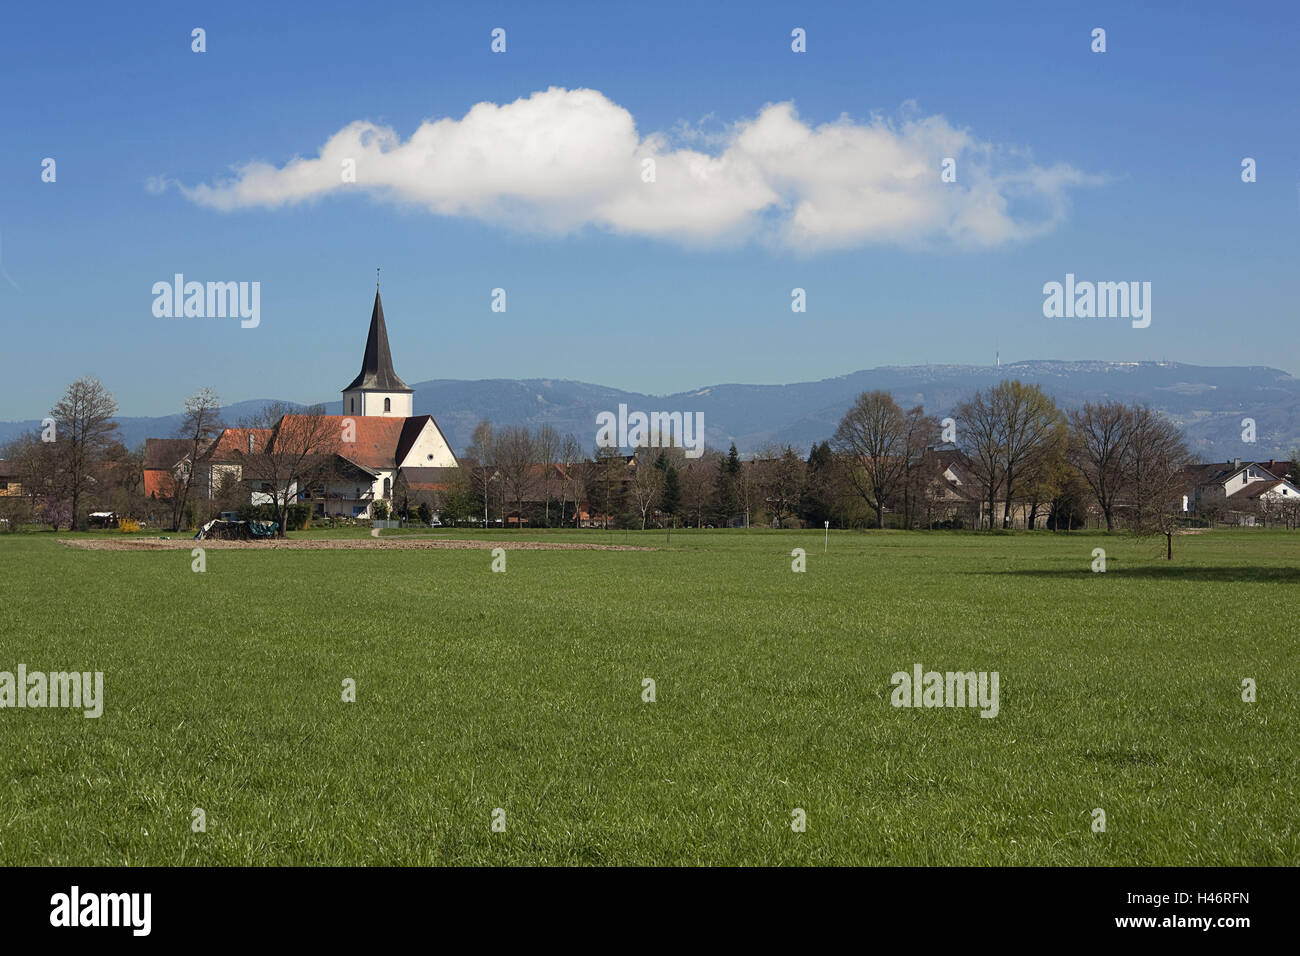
(377, 390)
(377, 365)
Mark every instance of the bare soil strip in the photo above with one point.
(343, 544)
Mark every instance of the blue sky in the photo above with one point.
(1155, 128)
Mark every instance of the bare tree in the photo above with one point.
(483, 450)
(548, 445)
(584, 479)
(85, 427)
(288, 451)
(39, 471)
(982, 436)
(748, 488)
(609, 475)
(1099, 437)
(570, 458)
(1154, 465)
(783, 475)
(517, 458)
(1046, 476)
(919, 430)
(200, 424)
(872, 440)
(120, 477)
(1032, 431)
(647, 482)
(699, 478)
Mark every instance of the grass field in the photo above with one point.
(523, 691)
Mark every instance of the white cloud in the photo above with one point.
(561, 160)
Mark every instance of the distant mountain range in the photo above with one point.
(1208, 403)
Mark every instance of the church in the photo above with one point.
(349, 461)
(379, 437)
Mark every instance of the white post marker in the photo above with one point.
(826, 545)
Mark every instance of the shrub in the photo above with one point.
(128, 525)
(299, 517)
(380, 510)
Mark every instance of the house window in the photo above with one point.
(352, 405)
(388, 404)
(4, 486)
(388, 487)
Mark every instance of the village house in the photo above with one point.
(1239, 492)
(352, 460)
(10, 485)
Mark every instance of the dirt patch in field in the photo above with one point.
(343, 544)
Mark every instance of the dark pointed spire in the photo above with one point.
(377, 366)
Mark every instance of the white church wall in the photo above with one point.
(429, 450)
(371, 404)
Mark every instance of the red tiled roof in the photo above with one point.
(379, 442)
(233, 441)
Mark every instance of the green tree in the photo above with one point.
(670, 501)
(728, 475)
(817, 501)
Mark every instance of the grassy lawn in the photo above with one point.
(523, 691)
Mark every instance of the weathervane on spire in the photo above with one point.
(376, 277)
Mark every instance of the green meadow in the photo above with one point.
(523, 691)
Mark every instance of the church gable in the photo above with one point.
(423, 445)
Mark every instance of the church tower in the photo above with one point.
(377, 390)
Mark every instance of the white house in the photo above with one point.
(1240, 489)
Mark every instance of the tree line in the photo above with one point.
(1020, 460)
(1022, 453)
(1016, 456)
